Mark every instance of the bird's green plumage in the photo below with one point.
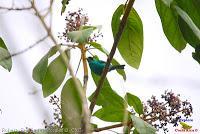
(97, 66)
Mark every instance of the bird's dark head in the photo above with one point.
(89, 59)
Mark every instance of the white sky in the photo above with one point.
(162, 67)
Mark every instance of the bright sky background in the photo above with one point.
(162, 67)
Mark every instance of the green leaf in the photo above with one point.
(108, 97)
(54, 76)
(188, 34)
(135, 132)
(135, 102)
(131, 43)
(120, 71)
(114, 61)
(2, 44)
(191, 7)
(99, 47)
(40, 69)
(196, 31)
(5, 59)
(93, 27)
(111, 114)
(141, 126)
(64, 3)
(127, 129)
(4, 62)
(71, 105)
(80, 36)
(93, 126)
(170, 25)
(196, 54)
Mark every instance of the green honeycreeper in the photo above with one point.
(97, 66)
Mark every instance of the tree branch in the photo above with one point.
(112, 52)
(26, 49)
(15, 9)
(112, 126)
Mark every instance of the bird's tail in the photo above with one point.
(117, 67)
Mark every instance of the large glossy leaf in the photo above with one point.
(114, 61)
(111, 114)
(54, 76)
(135, 102)
(131, 43)
(40, 69)
(195, 34)
(191, 7)
(141, 126)
(108, 97)
(71, 105)
(5, 59)
(170, 25)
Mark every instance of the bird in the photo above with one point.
(97, 66)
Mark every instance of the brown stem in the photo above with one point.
(85, 68)
(15, 9)
(112, 126)
(112, 52)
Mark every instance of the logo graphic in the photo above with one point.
(186, 127)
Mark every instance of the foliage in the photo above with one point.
(71, 105)
(131, 43)
(46, 75)
(181, 25)
(64, 4)
(141, 126)
(5, 60)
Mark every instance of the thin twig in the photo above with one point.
(112, 52)
(50, 11)
(69, 45)
(90, 48)
(24, 50)
(114, 131)
(112, 126)
(78, 66)
(90, 53)
(15, 9)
